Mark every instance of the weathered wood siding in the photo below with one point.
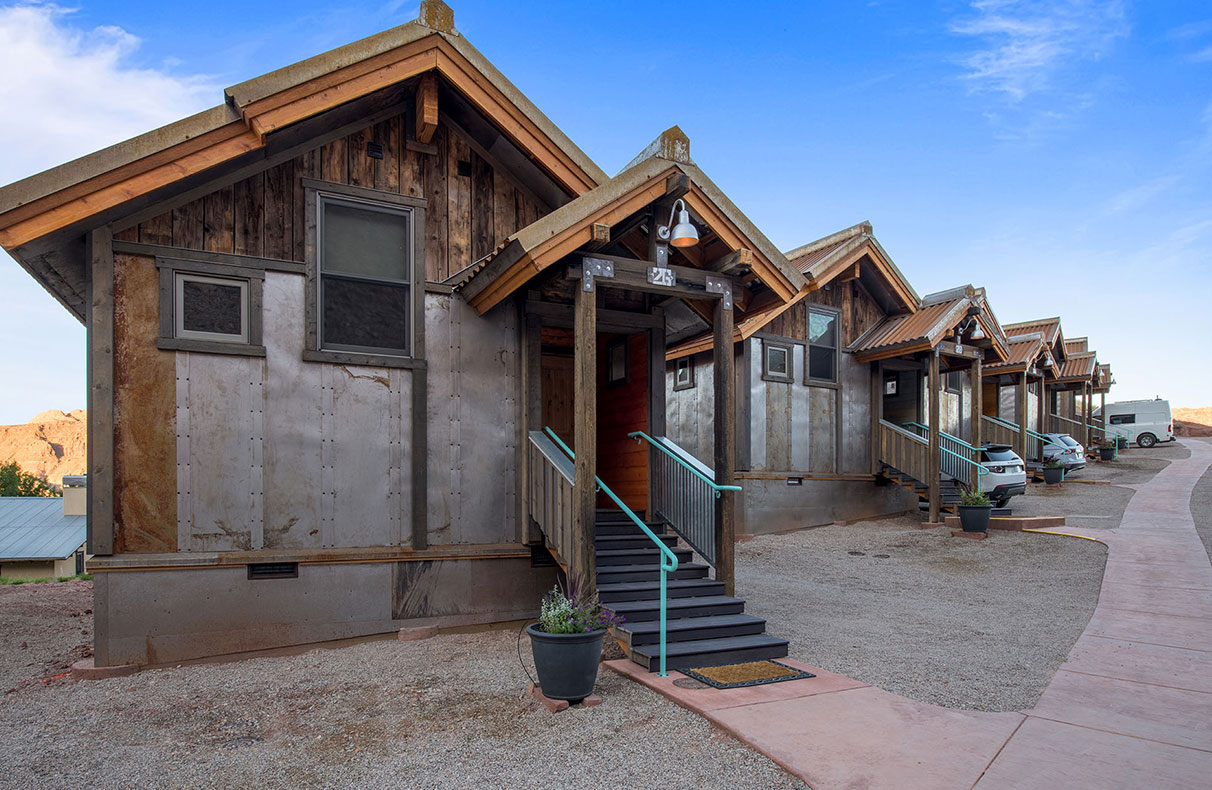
(471, 206)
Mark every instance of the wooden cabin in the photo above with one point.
(372, 341)
(1014, 399)
(834, 389)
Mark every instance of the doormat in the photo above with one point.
(751, 673)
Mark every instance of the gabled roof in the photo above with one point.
(98, 188)
(1076, 345)
(1049, 328)
(925, 329)
(34, 528)
(1022, 353)
(1078, 367)
(825, 259)
(645, 181)
(1105, 378)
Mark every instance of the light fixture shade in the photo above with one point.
(684, 234)
(977, 332)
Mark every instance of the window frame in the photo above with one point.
(174, 272)
(836, 348)
(1122, 419)
(613, 347)
(317, 192)
(687, 364)
(769, 345)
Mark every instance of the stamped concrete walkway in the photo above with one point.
(1130, 708)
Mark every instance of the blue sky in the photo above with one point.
(1057, 153)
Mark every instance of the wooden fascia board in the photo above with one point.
(835, 264)
(55, 212)
(888, 352)
(734, 239)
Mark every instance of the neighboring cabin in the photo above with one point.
(44, 537)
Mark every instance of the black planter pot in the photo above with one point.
(975, 518)
(1106, 453)
(1053, 474)
(567, 663)
(1121, 443)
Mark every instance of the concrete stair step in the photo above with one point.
(688, 629)
(699, 606)
(711, 652)
(609, 557)
(649, 590)
(612, 574)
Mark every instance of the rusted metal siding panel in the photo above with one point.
(440, 411)
(145, 496)
(690, 413)
(801, 418)
(757, 400)
(821, 429)
(857, 419)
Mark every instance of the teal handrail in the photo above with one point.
(980, 469)
(637, 435)
(669, 560)
(1017, 427)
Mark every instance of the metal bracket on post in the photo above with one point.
(722, 287)
(592, 268)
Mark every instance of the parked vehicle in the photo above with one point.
(1064, 448)
(1007, 473)
(1145, 422)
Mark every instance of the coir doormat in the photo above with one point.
(751, 673)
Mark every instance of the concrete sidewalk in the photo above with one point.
(1131, 707)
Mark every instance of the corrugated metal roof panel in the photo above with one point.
(35, 528)
(806, 262)
(1045, 326)
(925, 324)
(1022, 352)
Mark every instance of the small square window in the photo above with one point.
(683, 375)
(210, 308)
(777, 363)
(616, 363)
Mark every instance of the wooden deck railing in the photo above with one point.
(998, 431)
(906, 452)
(550, 498)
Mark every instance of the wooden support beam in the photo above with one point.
(851, 274)
(676, 186)
(532, 414)
(599, 237)
(100, 401)
(736, 260)
(561, 315)
(1020, 416)
(724, 379)
(935, 454)
(585, 434)
(976, 410)
(1085, 416)
(1041, 406)
(427, 108)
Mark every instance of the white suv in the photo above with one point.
(1007, 473)
(1064, 448)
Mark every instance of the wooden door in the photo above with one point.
(557, 396)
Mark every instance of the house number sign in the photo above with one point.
(659, 275)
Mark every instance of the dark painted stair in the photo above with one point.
(703, 626)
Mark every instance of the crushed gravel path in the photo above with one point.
(448, 712)
(44, 629)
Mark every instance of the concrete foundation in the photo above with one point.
(766, 506)
(164, 616)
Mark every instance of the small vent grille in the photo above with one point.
(374, 150)
(540, 557)
(274, 570)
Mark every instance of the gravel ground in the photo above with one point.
(446, 712)
(44, 629)
(969, 624)
(1201, 505)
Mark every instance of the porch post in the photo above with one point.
(725, 446)
(877, 413)
(1102, 410)
(585, 434)
(1085, 416)
(936, 466)
(978, 394)
(1020, 415)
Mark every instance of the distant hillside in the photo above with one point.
(1193, 422)
(50, 446)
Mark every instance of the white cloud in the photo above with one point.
(68, 91)
(1025, 43)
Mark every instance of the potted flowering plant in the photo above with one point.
(567, 641)
(1054, 471)
(1106, 451)
(974, 511)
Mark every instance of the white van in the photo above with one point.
(1145, 422)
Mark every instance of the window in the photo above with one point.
(954, 381)
(616, 363)
(683, 374)
(776, 361)
(822, 344)
(365, 267)
(1123, 419)
(210, 306)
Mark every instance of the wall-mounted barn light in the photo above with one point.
(684, 234)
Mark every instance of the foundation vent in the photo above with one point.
(273, 570)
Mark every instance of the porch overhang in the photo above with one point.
(936, 326)
(593, 219)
